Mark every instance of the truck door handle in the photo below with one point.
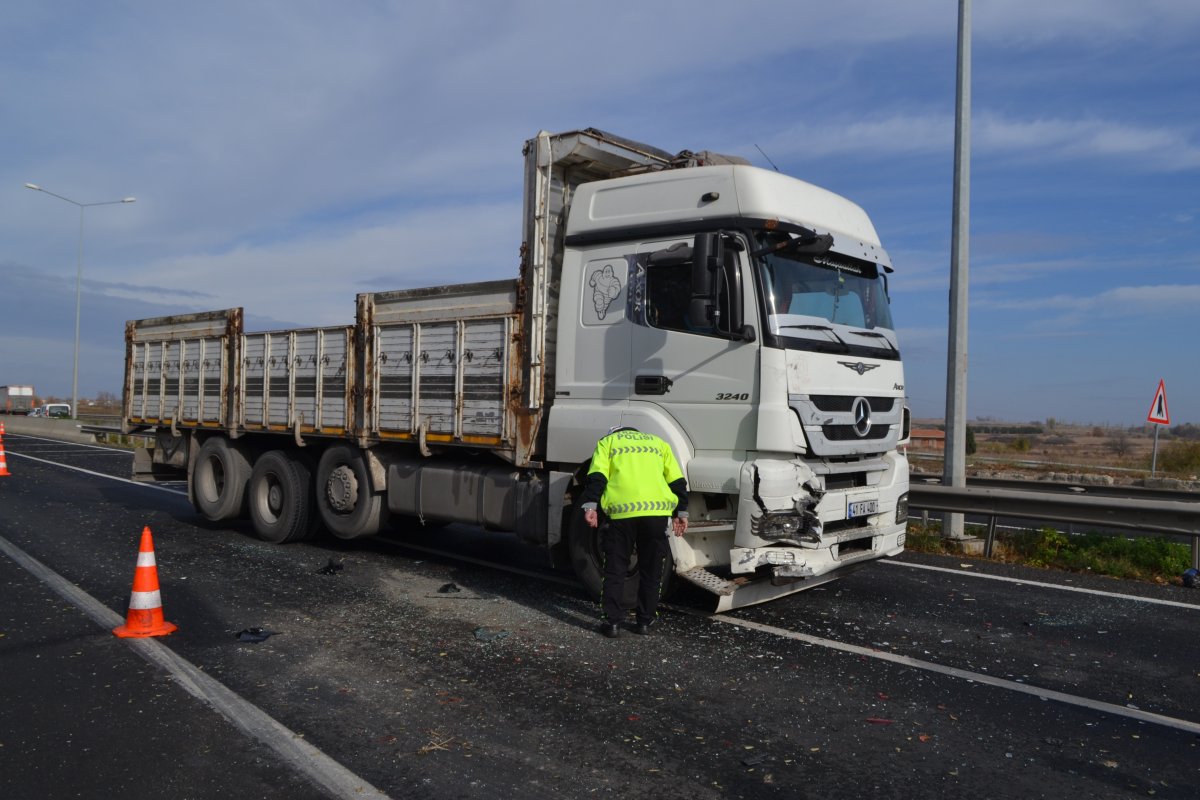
(652, 384)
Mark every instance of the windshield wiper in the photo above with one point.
(876, 335)
(825, 328)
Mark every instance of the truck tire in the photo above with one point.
(348, 505)
(280, 498)
(587, 560)
(219, 479)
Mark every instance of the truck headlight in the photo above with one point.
(780, 526)
(902, 509)
(800, 527)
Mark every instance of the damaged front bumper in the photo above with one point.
(791, 535)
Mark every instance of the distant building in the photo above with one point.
(927, 439)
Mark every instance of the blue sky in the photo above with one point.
(287, 155)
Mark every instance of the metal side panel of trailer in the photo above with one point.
(441, 364)
(297, 380)
(177, 369)
(202, 370)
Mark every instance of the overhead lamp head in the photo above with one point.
(33, 186)
(129, 200)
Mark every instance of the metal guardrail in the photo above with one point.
(1063, 486)
(1173, 517)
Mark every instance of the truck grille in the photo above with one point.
(845, 403)
(830, 424)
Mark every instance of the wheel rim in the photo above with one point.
(341, 489)
(274, 497)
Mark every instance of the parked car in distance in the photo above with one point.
(40, 411)
(56, 410)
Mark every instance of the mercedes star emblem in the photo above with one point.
(862, 416)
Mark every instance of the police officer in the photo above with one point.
(636, 480)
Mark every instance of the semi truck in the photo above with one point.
(16, 399)
(738, 313)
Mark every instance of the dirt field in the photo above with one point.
(1035, 449)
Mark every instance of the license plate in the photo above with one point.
(862, 508)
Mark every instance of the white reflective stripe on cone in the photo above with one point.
(141, 601)
(145, 559)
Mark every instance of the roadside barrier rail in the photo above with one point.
(1173, 517)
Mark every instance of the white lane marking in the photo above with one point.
(1080, 589)
(98, 474)
(103, 452)
(249, 718)
(975, 677)
(982, 678)
(60, 442)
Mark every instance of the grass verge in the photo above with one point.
(1153, 559)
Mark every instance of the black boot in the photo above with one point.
(610, 629)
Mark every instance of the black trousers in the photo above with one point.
(619, 539)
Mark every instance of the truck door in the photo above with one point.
(704, 374)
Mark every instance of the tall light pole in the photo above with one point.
(78, 281)
(955, 466)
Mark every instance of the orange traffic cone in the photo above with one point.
(145, 617)
(4, 473)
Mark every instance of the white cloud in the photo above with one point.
(1121, 301)
(313, 280)
(1096, 21)
(992, 134)
(1155, 149)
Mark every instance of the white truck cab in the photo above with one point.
(743, 316)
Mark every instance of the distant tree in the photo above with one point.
(1020, 444)
(1097, 431)
(1051, 422)
(1188, 430)
(971, 447)
(1118, 441)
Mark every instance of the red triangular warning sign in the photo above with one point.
(1158, 409)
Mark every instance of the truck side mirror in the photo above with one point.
(700, 313)
(708, 253)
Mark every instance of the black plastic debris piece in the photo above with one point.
(1191, 578)
(755, 760)
(449, 588)
(332, 568)
(254, 635)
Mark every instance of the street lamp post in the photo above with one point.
(78, 281)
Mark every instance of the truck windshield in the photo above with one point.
(823, 300)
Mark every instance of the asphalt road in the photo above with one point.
(920, 677)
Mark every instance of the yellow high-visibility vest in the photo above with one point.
(638, 466)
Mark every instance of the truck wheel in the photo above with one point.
(348, 505)
(219, 479)
(587, 559)
(280, 498)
